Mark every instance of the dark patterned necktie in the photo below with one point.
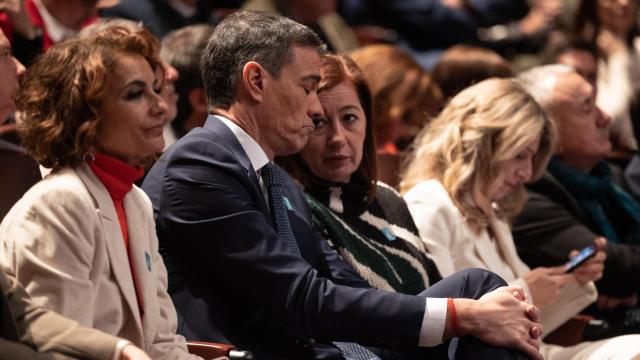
(273, 180)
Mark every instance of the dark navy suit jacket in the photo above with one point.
(230, 276)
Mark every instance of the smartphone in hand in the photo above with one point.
(577, 260)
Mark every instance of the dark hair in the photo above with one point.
(183, 49)
(249, 36)
(565, 44)
(61, 93)
(335, 70)
(462, 66)
(587, 25)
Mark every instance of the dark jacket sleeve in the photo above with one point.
(546, 231)
(211, 216)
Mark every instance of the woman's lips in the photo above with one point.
(154, 130)
(337, 159)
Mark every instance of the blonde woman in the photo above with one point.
(464, 181)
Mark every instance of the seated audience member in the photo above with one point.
(611, 26)
(20, 171)
(582, 56)
(577, 200)
(436, 24)
(164, 16)
(39, 24)
(321, 16)
(82, 241)
(403, 94)
(182, 49)
(48, 334)
(22, 321)
(171, 74)
(578, 54)
(11, 70)
(365, 220)
(461, 66)
(252, 268)
(465, 181)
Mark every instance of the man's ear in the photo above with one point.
(254, 77)
(197, 100)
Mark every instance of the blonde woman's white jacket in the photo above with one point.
(63, 243)
(454, 246)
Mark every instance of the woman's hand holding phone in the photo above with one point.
(545, 283)
(591, 269)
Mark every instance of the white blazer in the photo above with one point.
(63, 242)
(454, 246)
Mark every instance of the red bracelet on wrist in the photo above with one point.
(451, 308)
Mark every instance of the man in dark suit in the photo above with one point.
(277, 290)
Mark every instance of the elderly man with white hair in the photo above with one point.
(578, 199)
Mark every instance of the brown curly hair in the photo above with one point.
(61, 94)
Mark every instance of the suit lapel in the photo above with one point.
(142, 262)
(486, 254)
(229, 140)
(506, 245)
(113, 238)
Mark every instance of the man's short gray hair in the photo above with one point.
(540, 81)
(245, 36)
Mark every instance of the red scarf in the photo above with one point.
(118, 178)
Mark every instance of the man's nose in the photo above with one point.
(315, 108)
(20, 69)
(603, 118)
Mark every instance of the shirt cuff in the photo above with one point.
(120, 345)
(435, 316)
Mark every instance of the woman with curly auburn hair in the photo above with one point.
(465, 180)
(82, 241)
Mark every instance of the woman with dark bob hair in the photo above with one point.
(365, 220)
(82, 241)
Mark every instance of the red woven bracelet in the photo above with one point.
(451, 307)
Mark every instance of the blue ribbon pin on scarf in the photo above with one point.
(387, 233)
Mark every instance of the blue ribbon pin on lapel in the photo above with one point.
(287, 203)
(147, 260)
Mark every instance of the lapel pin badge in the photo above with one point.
(388, 234)
(147, 260)
(287, 203)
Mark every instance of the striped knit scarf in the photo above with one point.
(381, 250)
